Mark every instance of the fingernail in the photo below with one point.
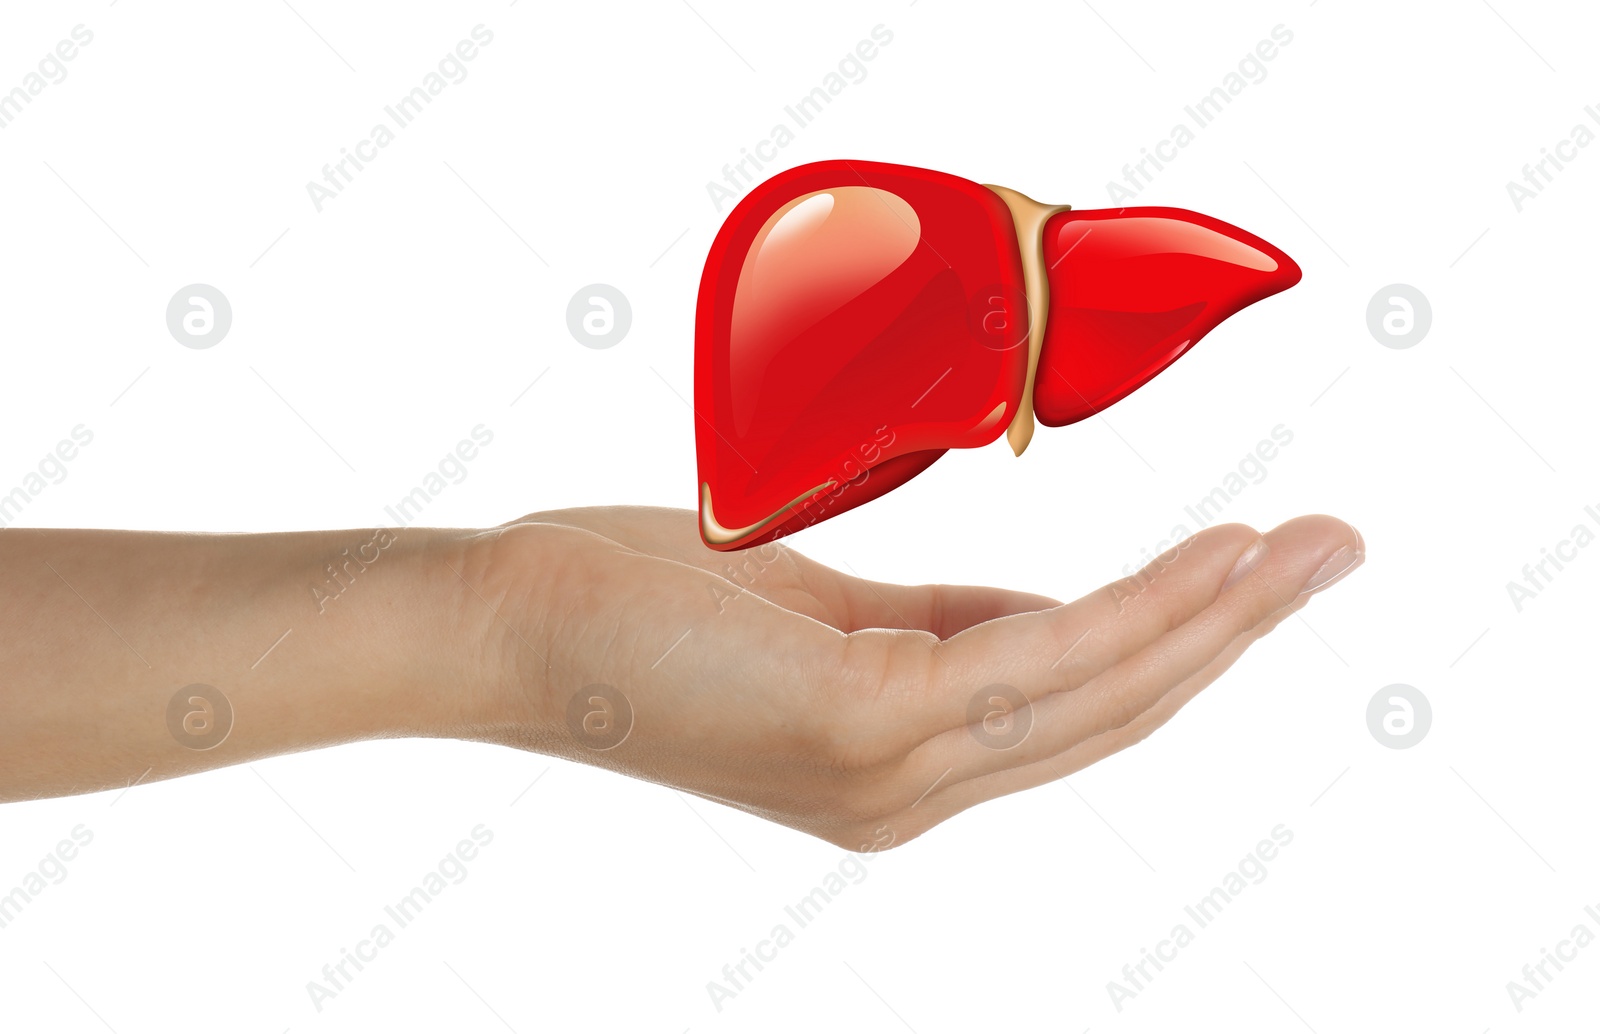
(1343, 560)
(1248, 561)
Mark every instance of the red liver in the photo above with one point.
(857, 319)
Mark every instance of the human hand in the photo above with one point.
(860, 712)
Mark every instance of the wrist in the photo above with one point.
(412, 632)
(393, 608)
(323, 637)
(494, 586)
(343, 635)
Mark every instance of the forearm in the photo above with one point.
(104, 629)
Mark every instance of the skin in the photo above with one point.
(760, 679)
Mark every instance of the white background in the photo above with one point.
(433, 291)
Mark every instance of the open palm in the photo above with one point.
(861, 712)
